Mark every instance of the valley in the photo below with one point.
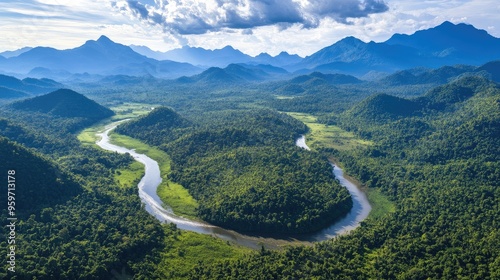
(359, 161)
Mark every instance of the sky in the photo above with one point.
(253, 26)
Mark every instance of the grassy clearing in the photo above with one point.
(329, 136)
(171, 193)
(188, 249)
(381, 205)
(88, 136)
(129, 176)
(122, 111)
(131, 110)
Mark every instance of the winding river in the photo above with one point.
(152, 179)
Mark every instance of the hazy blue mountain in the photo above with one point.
(42, 72)
(96, 57)
(233, 73)
(446, 44)
(271, 72)
(198, 56)
(282, 59)
(27, 86)
(9, 54)
(145, 51)
(351, 55)
(218, 57)
(333, 79)
(441, 75)
(460, 43)
(7, 93)
(491, 69)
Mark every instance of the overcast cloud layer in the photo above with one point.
(197, 17)
(253, 26)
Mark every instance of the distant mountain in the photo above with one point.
(452, 44)
(218, 57)
(9, 54)
(43, 183)
(198, 56)
(447, 44)
(233, 73)
(441, 75)
(281, 60)
(65, 103)
(383, 108)
(96, 57)
(28, 85)
(351, 55)
(491, 69)
(333, 79)
(7, 93)
(269, 69)
(445, 96)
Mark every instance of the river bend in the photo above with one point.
(152, 179)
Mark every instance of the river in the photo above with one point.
(152, 179)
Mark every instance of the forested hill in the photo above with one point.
(245, 171)
(73, 110)
(74, 222)
(441, 169)
(40, 183)
(384, 108)
(157, 127)
(64, 103)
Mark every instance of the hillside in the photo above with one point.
(492, 70)
(28, 85)
(442, 172)
(7, 93)
(232, 74)
(332, 79)
(443, 97)
(441, 75)
(39, 182)
(64, 103)
(453, 43)
(446, 44)
(101, 56)
(155, 128)
(383, 107)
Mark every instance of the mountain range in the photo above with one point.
(446, 44)
(103, 57)
(11, 87)
(218, 57)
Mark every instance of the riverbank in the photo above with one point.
(152, 178)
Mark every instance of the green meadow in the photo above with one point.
(171, 193)
(329, 136)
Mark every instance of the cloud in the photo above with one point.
(186, 17)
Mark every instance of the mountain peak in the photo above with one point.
(446, 24)
(351, 40)
(228, 48)
(104, 39)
